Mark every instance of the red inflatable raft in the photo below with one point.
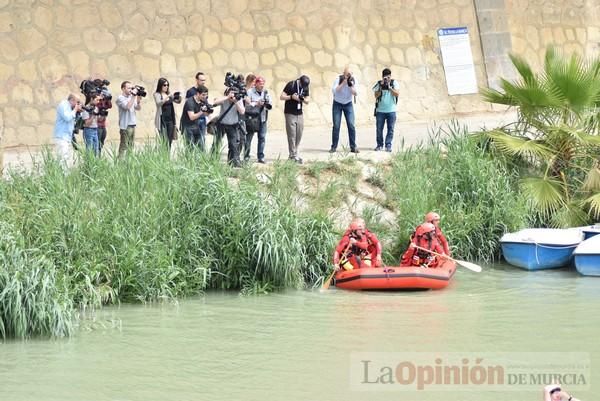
(396, 277)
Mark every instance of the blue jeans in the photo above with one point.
(336, 112)
(194, 138)
(261, 135)
(391, 121)
(90, 137)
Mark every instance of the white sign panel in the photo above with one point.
(458, 60)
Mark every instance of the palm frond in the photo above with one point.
(593, 203)
(592, 180)
(572, 215)
(544, 193)
(519, 145)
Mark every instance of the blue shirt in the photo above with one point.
(344, 95)
(65, 121)
(387, 101)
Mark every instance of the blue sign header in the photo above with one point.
(463, 30)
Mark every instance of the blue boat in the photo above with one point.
(590, 231)
(541, 248)
(587, 256)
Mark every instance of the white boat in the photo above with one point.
(587, 256)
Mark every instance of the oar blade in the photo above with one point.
(469, 265)
(327, 281)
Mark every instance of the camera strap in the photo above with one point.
(224, 114)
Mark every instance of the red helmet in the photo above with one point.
(424, 229)
(357, 224)
(431, 216)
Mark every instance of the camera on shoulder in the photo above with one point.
(235, 84)
(207, 108)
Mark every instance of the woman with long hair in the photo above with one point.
(164, 119)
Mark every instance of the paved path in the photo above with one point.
(316, 141)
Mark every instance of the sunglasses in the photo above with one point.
(165, 84)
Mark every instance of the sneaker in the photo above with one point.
(355, 150)
(298, 160)
(262, 161)
(378, 148)
(388, 149)
(332, 150)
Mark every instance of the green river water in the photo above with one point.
(302, 345)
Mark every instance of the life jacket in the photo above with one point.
(417, 257)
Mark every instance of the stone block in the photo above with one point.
(285, 71)
(63, 17)
(397, 56)
(43, 18)
(30, 40)
(159, 27)
(296, 21)
(384, 38)
(285, 37)
(266, 41)
(401, 37)
(227, 41)
(79, 63)
(383, 55)
(280, 53)
(205, 61)
(192, 43)
(187, 65)
(52, 66)
(341, 59)
(559, 35)
(581, 35)
(147, 67)
(32, 115)
(323, 59)
(420, 19)
(64, 39)
(392, 22)
(450, 16)
(7, 22)
(168, 65)
(532, 37)
(269, 58)
(138, 23)
(213, 23)
(15, 116)
(120, 65)
(22, 93)
(328, 40)
(299, 54)
(356, 55)
(220, 58)
(414, 56)
(231, 25)
(99, 41)
(313, 41)
(486, 21)
(570, 34)
(245, 40)
(287, 6)
(342, 36)
(546, 37)
(7, 71)
(85, 16)
(210, 39)
(185, 7)
(196, 24)
(252, 60)
(154, 47)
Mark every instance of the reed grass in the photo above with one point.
(476, 195)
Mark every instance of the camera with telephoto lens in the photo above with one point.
(350, 80)
(177, 97)
(91, 88)
(385, 83)
(139, 91)
(268, 103)
(236, 85)
(206, 108)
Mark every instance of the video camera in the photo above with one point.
(139, 91)
(91, 88)
(350, 80)
(236, 85)
(206, 108)
(385, 83)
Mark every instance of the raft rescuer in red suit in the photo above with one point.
(424, 237)
(358, 248)
(434, 219)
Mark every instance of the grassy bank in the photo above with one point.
(150, 227)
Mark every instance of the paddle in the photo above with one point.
(327, 282)
(463, 263)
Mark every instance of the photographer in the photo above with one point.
(344, 89)
(90, 88)
(195, 108)
(553, 392)
(386, 99)
(164, 119)
(296, 94)
(258, 103)
(128, 103)
(89, 115)
(66, 113)
(232, 107)
(200, 81)
(250, 79)
(104, 104)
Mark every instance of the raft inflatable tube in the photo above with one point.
(397, 277)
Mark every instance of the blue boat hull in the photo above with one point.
(588, 265)
(531, 256)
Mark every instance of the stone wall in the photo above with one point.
(49, 46)
(570, 25)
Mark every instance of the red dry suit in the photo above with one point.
(417, 257)
(366, 248)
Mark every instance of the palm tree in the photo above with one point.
(555, 135)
